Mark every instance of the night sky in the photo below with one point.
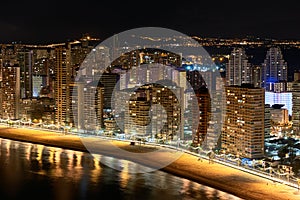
(46, 21)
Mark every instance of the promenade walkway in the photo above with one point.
(234, 181)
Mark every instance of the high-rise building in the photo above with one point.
(204, 108)
(212, 139)
(238, 69)
(208, 87)
(274, 68)
(120, 106)
(9, 82)
(25, 60)
(138, 118)
(179, 76)
(61, 85)
(10, 88)
(195, 79)
(43, 70)
(86, 105)
(243, 130)
(154, 110)
(37, 84)
(111, 83)
(77, 104)
(256, 76)
(93, 94)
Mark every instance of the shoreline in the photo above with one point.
(232, 181)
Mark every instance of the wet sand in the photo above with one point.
(236, 182)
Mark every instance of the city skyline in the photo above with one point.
(28, 68)
(206, 90)
(158, 86)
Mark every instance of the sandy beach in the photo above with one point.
(236, 182)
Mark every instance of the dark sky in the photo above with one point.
(46, 21)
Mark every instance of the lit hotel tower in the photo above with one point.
(274, 68)
(243, 130)
(62, 82)
(10, 88)
(238, 69)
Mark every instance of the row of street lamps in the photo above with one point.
(282, 170)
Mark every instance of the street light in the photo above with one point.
(71, 125)
(223, 151)
(264, 165)
(238, 159)
(199, 151)
(178, 143)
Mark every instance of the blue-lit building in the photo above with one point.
(274, 68)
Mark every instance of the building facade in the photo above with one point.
(155, 111)
(238, 69)
(274, 68)
(243, 130)
(10, 92)
(61, 85)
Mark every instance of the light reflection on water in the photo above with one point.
(34, 170)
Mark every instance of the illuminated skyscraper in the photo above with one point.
(9, 82)
(208, 89)
(274, 68)
(62, 82)
(238, 69)
(204, 107)
(76, 104)
(243, 130)
(10, 91)
(25, 60)
(212, 139)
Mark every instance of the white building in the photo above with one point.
(280, 98)
(238, 69)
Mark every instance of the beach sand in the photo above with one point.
(233, 181)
